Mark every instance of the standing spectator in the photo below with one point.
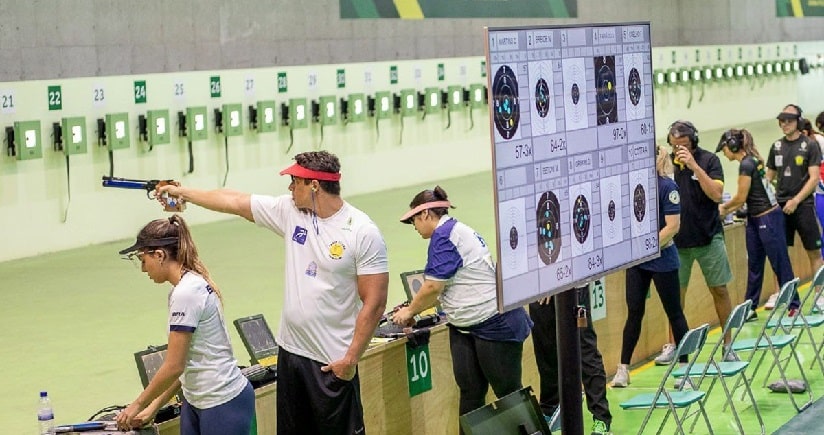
(808, 130)
(793, 165)
(663, 271)
(700, 182)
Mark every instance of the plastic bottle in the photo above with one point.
(726, 196)
(45, 415)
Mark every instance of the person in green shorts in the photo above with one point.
(700, 182)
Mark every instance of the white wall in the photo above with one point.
(33, 194)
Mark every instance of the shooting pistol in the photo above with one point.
(169, 203)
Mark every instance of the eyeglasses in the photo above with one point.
(136, 257)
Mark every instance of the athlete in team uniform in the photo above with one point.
(486, 346)
(217, 398)
(335, 294)
(765, 221)
(793, 164)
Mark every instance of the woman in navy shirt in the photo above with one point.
(663, 271)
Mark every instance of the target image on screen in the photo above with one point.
(612, 230)
(606, 97)
(505, 102)
(581, 219)
(548, 218)
(542, 110)
(639, 183)
(572, 134)
(633, 70)
(575, 91)
(513, 234)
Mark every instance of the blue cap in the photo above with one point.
(43, 394)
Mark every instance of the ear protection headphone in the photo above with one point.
(798, 118)
(683, 128)
(733, 141)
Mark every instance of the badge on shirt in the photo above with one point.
(312, 269)
(299, 235)
(779, 160)
(787, 172)
(799, 160)
(336, 250)
(674, 197)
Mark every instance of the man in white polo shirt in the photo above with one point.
(337, 278)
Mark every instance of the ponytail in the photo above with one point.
(187, 253)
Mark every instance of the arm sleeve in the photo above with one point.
(714, 169)
(671, 198)
(371, 257)
(747, 167)
(270, 212)
(444, 260)
(185, 310)
(815, 153)
(771, 158)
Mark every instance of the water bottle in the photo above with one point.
(45, 415)
(726, 196)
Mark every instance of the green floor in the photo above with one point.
(775, 408)
(72, 320)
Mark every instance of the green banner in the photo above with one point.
(799, 8)
(420, 9)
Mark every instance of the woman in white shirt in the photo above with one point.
(217, 398)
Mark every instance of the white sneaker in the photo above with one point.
(621, 378)
(666, 356)
(679, 384)
(771, 302)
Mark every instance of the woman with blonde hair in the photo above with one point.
(663, 271)
(217, 398)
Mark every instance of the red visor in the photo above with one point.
(310, 174)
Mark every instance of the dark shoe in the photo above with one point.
(752, 317)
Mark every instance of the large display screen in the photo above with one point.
(573, 154)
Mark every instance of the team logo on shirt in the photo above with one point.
(777, 145)
(312, 269)
(178, 316)
(299, 235)
(336, 250)
(799, 160)
(674, 197)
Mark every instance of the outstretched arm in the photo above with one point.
(220, 200)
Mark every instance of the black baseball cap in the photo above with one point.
(143, 242)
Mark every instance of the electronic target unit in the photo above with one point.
(573, 155)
